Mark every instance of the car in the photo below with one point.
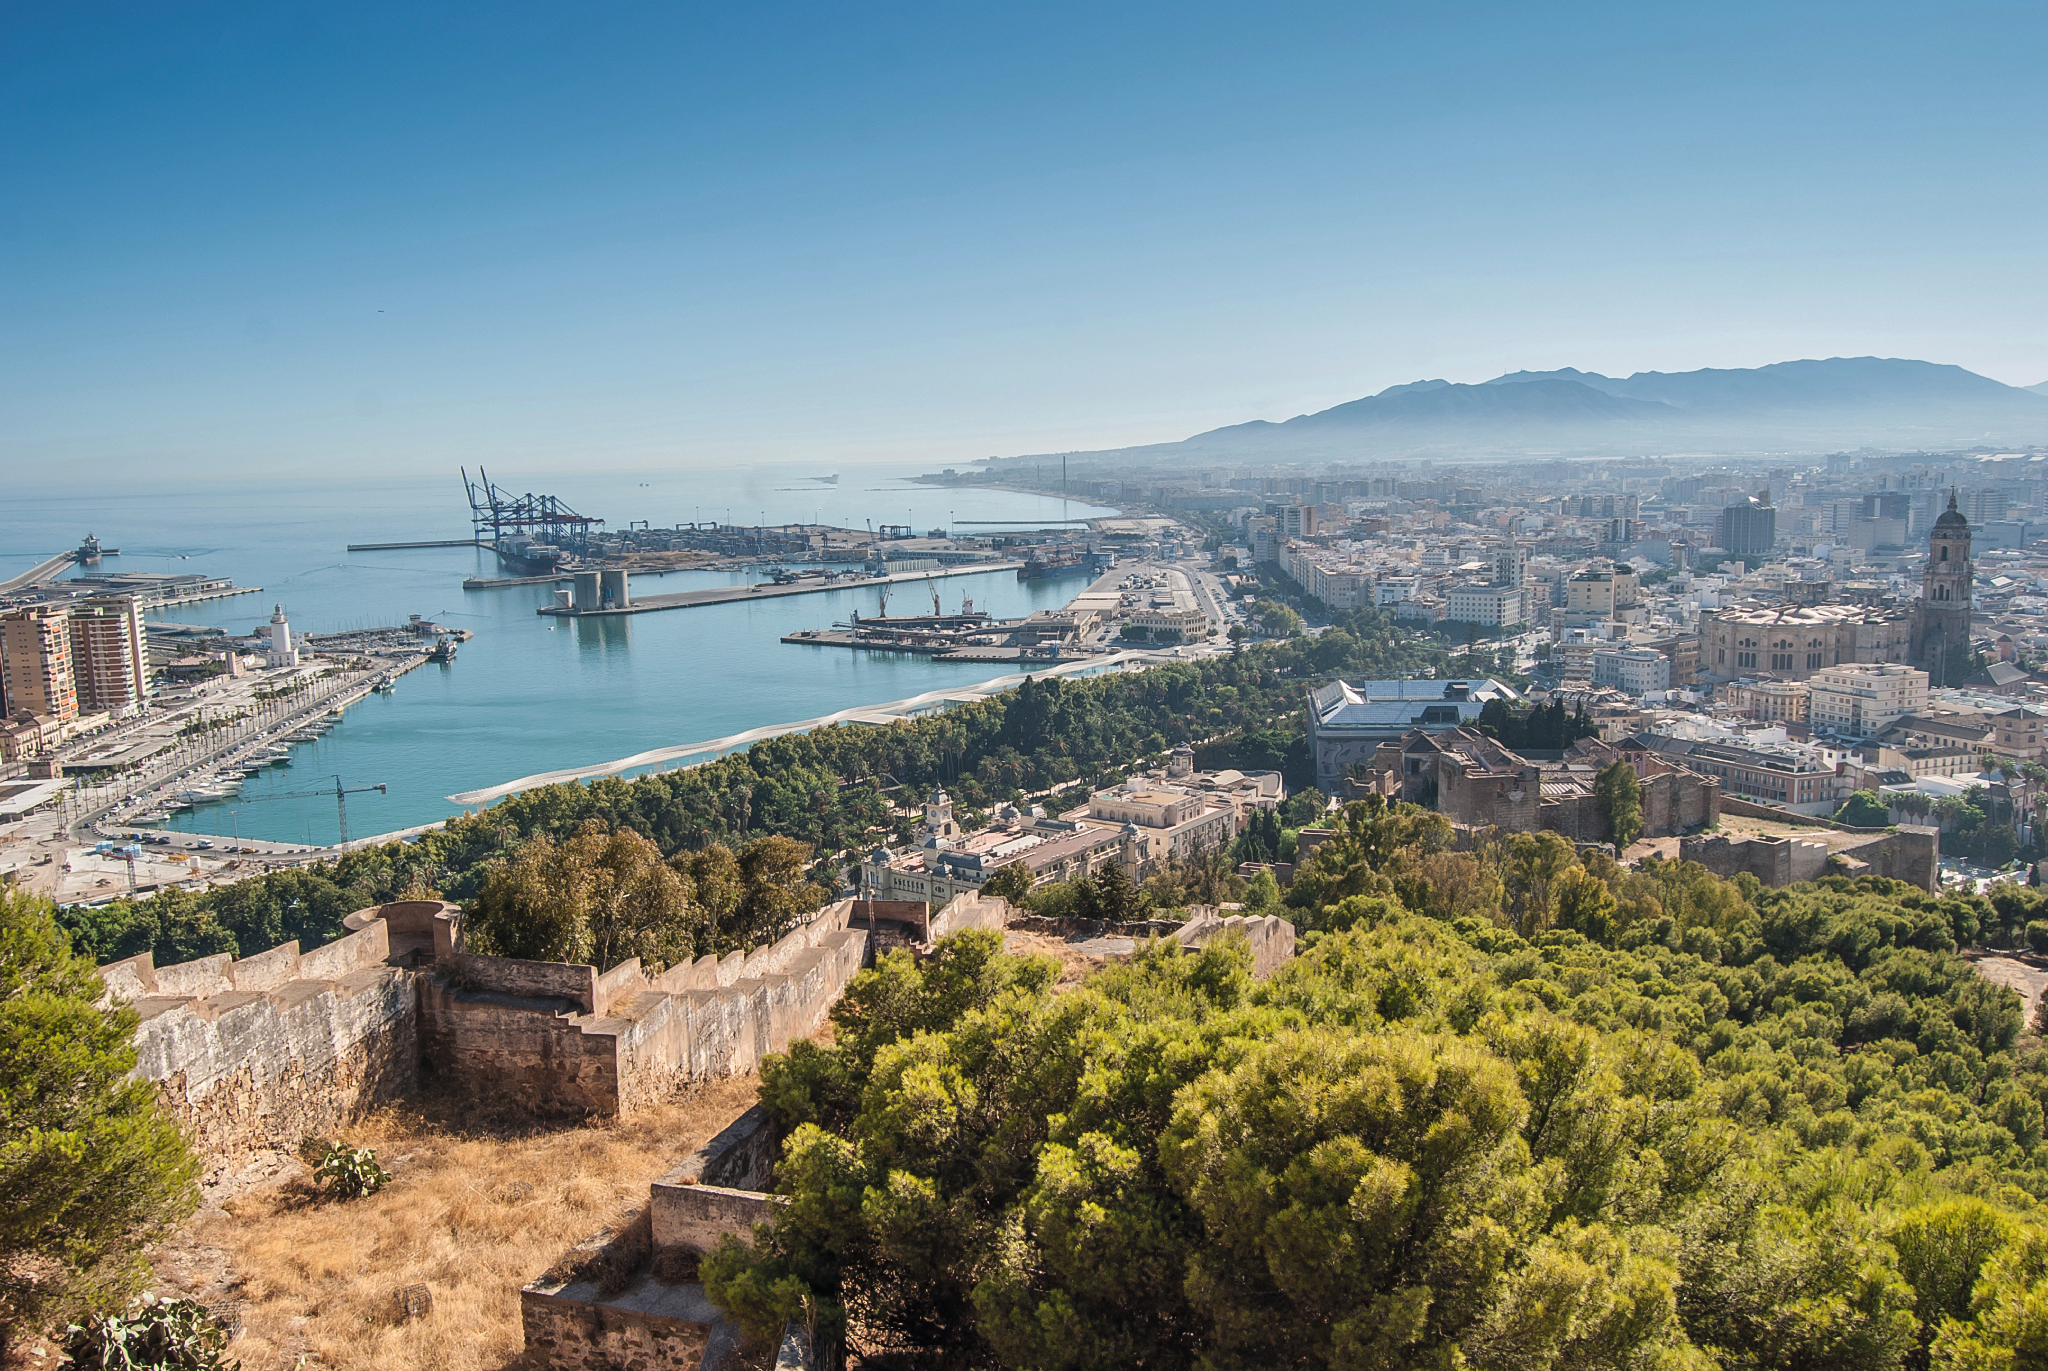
(204, 845)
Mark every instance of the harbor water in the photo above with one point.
(528, 693)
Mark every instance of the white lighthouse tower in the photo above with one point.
(282, 653)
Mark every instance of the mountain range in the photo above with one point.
(1805, 406)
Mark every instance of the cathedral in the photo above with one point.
(1941, 620)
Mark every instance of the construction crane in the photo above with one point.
(340, 793)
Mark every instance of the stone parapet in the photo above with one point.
(263, 1053)
(259, 1053)
(1270, 937)
(419, 930)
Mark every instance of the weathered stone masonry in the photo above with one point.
(261, 1053)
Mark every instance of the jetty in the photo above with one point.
(762, 590)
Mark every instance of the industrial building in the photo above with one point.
(1348, 720)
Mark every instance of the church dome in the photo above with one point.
(1952, 520)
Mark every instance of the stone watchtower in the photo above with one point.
(1941, 620)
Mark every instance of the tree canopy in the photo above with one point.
(90, 1167)
(1618, 794)
(606, 896)
(1509, 1108)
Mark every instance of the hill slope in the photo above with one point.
(1810, 405)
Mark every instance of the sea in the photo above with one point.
(528, 693)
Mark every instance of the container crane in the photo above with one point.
(340, 793)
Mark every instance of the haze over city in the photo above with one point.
(263, 239)
(1052, 688)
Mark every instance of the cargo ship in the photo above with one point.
(1041, 564)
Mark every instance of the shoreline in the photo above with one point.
(937, 482)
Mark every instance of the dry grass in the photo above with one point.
(473, 1213)
(1075, 964)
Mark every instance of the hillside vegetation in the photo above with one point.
(1505, 1110)
(838, 790)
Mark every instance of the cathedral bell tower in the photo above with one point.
(1941, 621)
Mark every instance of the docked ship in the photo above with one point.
(1041, 563)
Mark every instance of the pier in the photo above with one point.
(38, 572)
(765, 590)
(441, 542)
(1152, 602)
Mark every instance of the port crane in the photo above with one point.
(340, 793)
(495, 510)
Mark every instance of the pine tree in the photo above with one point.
(91, 1169)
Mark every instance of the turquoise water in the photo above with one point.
(528, 693)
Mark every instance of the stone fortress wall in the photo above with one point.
(263, 1052)
(260, 1053)
(256, 1055)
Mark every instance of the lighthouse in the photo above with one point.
(282, 653)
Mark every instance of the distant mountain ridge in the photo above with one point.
(1811, 405)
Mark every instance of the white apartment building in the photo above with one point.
(1489, 606)
(1638, 671)
(1262, 531)
(1862, 700)
(1392, 590)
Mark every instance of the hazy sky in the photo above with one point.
(364, 236)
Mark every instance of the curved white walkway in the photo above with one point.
(859, 714)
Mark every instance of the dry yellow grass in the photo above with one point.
(1075, 964)
(472, 1214)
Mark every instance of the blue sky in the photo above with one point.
(307, 239)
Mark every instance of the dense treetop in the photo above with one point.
(1508, 1108)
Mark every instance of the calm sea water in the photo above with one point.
(528, 693)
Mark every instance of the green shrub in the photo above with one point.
(351, 1172)
(151, 1335)
(2037, 935)
(92, 1169)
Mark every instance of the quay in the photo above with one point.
(50, 567)
(944, 649)
(762, 590)
(1155, 603)
(196, 596)
(500, 582)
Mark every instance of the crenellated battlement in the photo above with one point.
(260, 1052)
